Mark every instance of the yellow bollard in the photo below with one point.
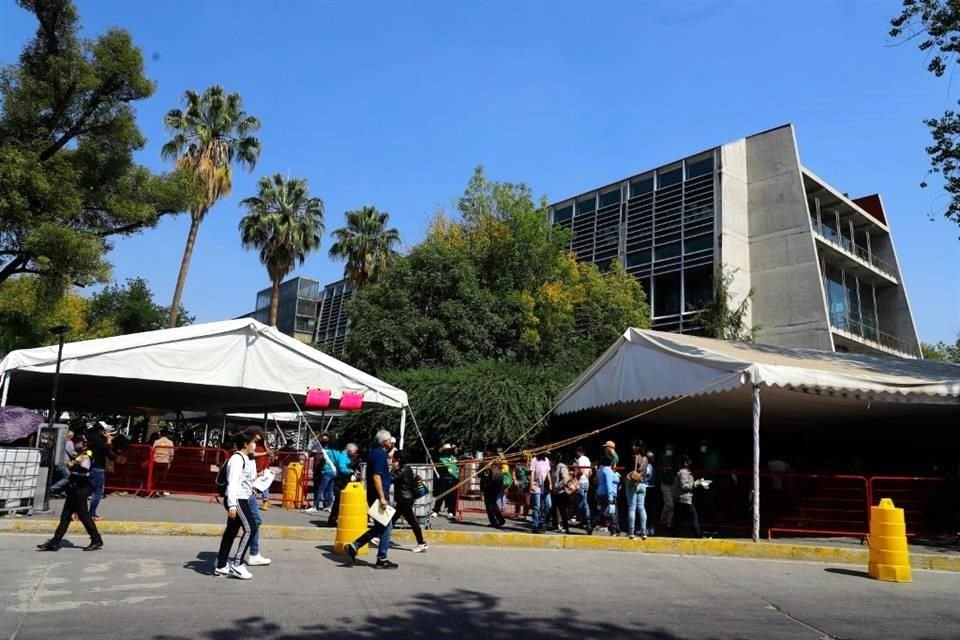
(352, 519)
(292, 491)
(889, 559)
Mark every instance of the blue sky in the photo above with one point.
(394, 103)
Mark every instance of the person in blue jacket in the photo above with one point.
(345, 462)
(608, 481)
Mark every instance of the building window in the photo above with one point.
(698, 243)
(638, 258)
(669, 177)
(667, 251)
(610, 197)
(666, 294)
(698, 287)
(563, 213)
(587, 205)
(641, 186)
(701, 167)
(836, 296)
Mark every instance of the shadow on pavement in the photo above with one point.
(447, 616)
(848, 572)
(204, 564)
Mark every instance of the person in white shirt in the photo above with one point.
(585, 470)
(241, 474)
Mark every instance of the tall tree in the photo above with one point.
(130, 308)
(935, 24)
(68, 183)
(366, 244)
(284, 223)
(723, 317)
(210, 134)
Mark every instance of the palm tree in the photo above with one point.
(285, 224)
(366, 244)
(210, 134)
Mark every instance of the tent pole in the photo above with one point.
(756, 462)
(403, 426)
(6, 389)
(223, 429)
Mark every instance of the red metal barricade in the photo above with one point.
(130, 470)
(925, 500)
(191, 471)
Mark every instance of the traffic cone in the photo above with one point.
(889, 559)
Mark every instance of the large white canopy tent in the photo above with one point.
(721, 382)
(217, 367)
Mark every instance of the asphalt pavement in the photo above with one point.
(161, 588)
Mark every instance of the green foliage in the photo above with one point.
(936, 24)
(495, 284)
(130, 308)
(474, 405)
(68, 183)
(366, 245)
(724, 318)
(941, 352)
(284, 223)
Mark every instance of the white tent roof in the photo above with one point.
(649, 366)
(236, 365)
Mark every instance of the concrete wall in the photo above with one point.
(788, 301)
(734, 222)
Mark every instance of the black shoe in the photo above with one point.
(538, 531)
(49, 545)
(589, 531)
(385, 564)
(351, 553)
(94, 546)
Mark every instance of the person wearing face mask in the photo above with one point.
(378, 492)
(241, 473)
(668, 475)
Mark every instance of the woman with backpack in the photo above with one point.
(239, 474)
(405, 490)
(636, 490)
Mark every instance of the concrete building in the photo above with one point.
(822, 266)
(333, 325)
(297, 310)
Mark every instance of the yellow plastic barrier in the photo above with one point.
(352, 519)
(889, 558)
(292, 491)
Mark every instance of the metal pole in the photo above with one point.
(756, 462)
(6, 388)
(51, 464)
(403, 426)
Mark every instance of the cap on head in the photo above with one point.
(609, 444)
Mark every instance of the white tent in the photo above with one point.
(232, 366)
(721, 382)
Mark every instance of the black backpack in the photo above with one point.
(221, 480)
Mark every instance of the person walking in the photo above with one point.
(255, 559)
(449, 475)
(324, 475)
(540, 489)
(491, 485)
(686, 511)
(162, 459)
(636, 490)
(241, 472)
(345, 462)
(608, 483)
(668, 475)
(584, 469)
(560, 481)
(378, 492)
(78, 490)
(405, 492)
(100, 442)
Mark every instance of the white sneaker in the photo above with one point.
(420, 548)
(451, 516)
(310, 510)
(374, 542)
(433, 514)
(258, 561)
(222, 571)
(239, 571)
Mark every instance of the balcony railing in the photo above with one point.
(866, 328)
(845, 244)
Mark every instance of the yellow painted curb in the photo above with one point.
(676, 546)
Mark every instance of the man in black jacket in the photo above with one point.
(100, 442)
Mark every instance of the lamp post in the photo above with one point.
(59, 330)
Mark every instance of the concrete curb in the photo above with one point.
(676, 546)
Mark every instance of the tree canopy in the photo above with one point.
(366, 245)
(68, 182)
(942, 352)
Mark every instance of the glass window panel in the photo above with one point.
(828, 221)
(698, 243)
(563, 213)
(700, 167)
(853, 303)
(666, 294)
(638, 258)
(610, 197)
(588, 205)
(669, 177)
(836, 296)
(641, 186)
(698, 287)
(812, 202)
(671, 250)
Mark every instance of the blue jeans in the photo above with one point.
(539, 509)
(255, 512)
(636, 503)
(583, 504)
(377, 530)
(323, 490)
(98, 478)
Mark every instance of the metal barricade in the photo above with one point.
(926, 501)
(19, 471)
(131, 470)
(191, 471)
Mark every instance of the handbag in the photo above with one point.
(317, 399)
(351, 401)
(572, 487)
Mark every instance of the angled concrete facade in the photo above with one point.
(822, 266)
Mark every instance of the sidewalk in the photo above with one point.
(191, 515)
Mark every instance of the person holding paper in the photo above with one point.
(378, 490)
(257, 489)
